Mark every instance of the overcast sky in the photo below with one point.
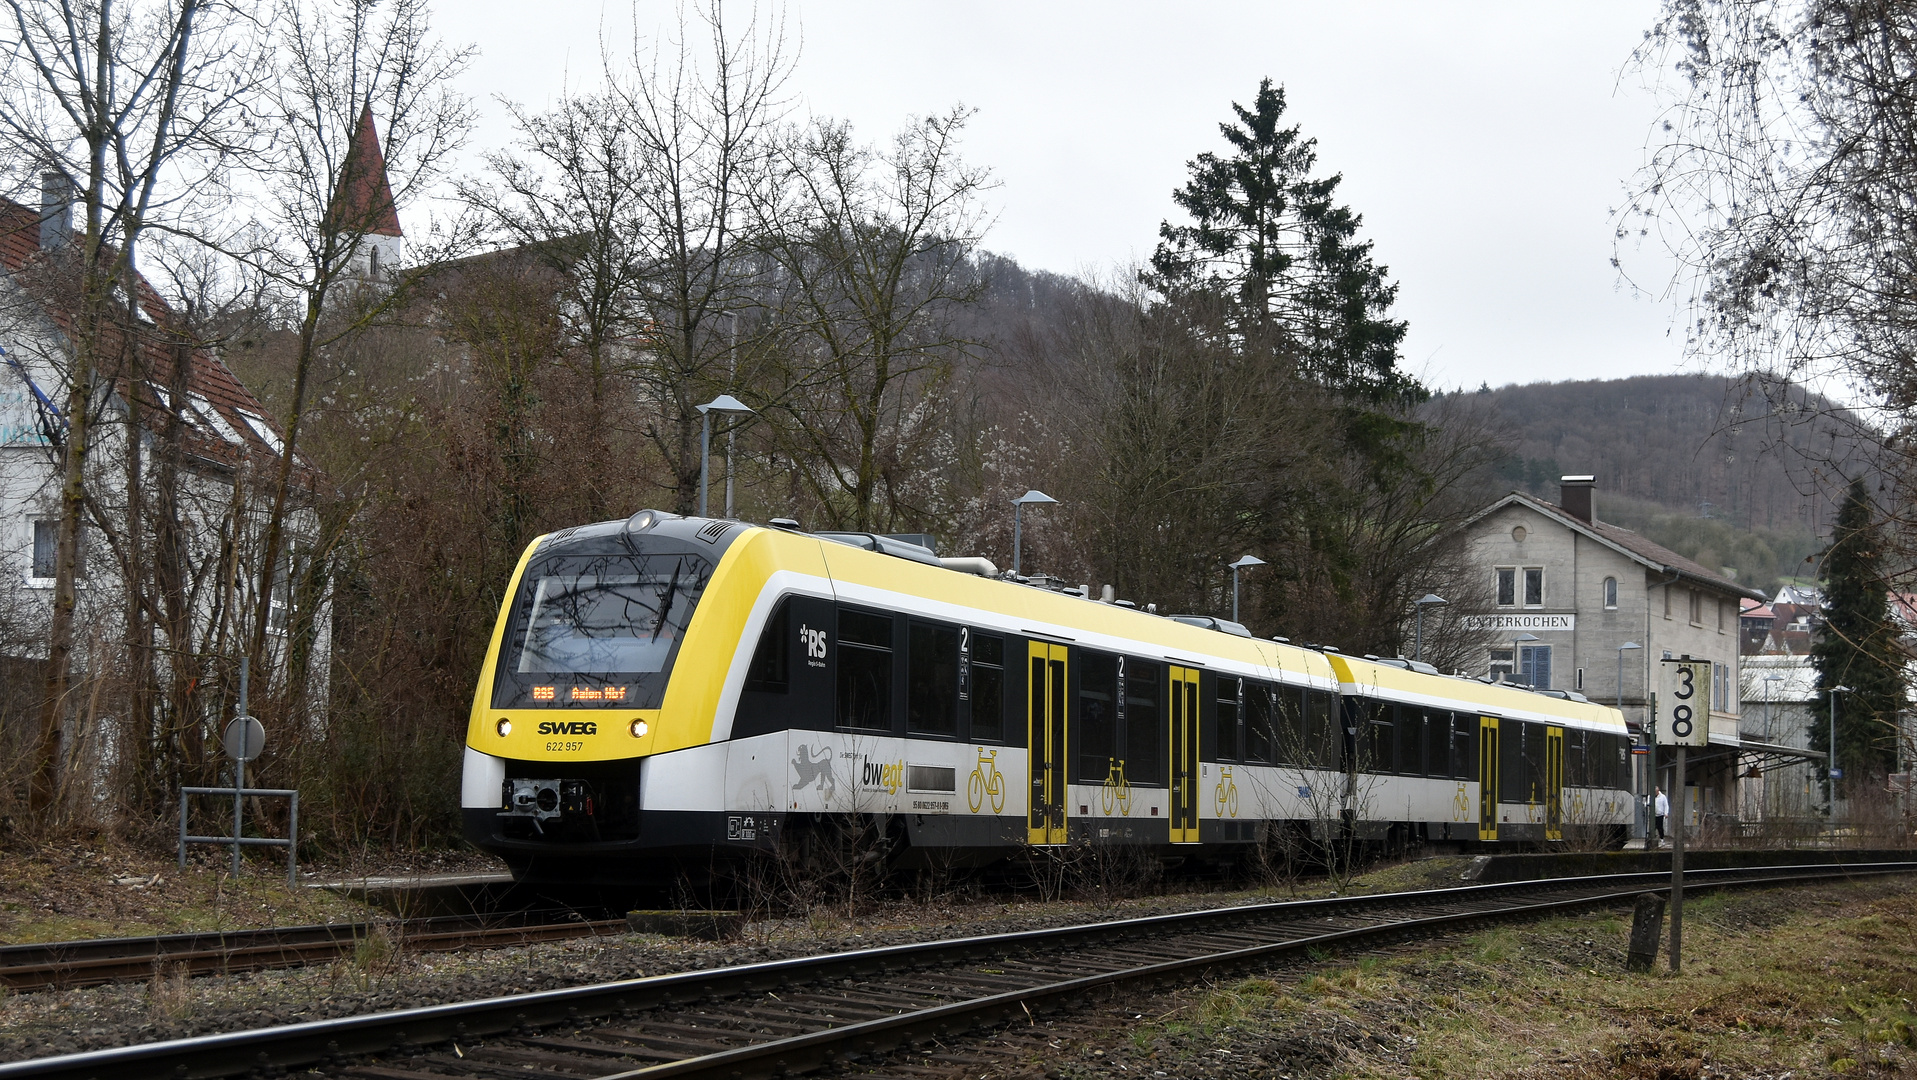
(1485, 144)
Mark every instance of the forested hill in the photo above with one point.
(1701, 464)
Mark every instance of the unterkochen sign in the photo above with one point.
(1527, 621)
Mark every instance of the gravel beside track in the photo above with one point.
(171, 1006)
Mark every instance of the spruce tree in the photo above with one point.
(1857, 646)
(1269, 240)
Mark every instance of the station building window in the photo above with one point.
(1610, 594)
(1511, 578)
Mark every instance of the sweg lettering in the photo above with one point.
(880, 774)
(568, 727)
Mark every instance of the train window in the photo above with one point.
(1437, 743)
(988, 687)
(1376, 747)
(931, 682)
(770, 661)
(1097, 716)
(1323, 740)
(1464, 746)
(1511, 761)
(1574, 758)
(1225, 718)
(865, 670)
(1410, 721)
(1144, 723)
(1259, 726)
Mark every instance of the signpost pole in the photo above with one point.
(1687, 724)
(1677, 866)
(239, 770)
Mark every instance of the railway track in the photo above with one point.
(66, 964)
(793, 1016)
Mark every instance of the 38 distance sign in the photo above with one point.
(1684, 703)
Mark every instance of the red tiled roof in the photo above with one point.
(363, 201)
(208, 377)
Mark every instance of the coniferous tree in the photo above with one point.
(1268, 239)
(1858, 645)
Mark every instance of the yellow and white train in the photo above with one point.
(666, 687)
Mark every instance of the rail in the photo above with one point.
(69, 964)
(791, 1016)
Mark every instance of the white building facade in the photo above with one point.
(1570, 590)
(176, 434)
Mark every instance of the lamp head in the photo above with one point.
(725, 403)
(1629, 645)
(1247, 562)
(1526, 637)
(1840, 690)
(1034, 496)
(1431, 598)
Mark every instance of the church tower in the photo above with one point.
(363, 204)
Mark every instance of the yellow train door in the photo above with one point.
(1554, 783)
(1487, 778)
(1184, 755)
(1045, 733)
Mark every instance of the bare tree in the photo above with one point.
(345, 70)
(135, 108)
(872, 251)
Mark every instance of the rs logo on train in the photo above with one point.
(568, 727)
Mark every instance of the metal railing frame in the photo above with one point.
(236, 841)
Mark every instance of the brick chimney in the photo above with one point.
(56, 210)
(1574, 496)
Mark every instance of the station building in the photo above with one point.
(1569, 589)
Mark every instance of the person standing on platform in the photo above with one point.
(1660, 808)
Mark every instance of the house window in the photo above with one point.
(1610, 594)
(1507, 586)
(1502, 667)
(1580, 683)
(46, 552)
(1534, 586)
(1667, 604)
(1697, 607)
(1720, 616)
(46, 538)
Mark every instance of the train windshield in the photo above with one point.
(598, 631)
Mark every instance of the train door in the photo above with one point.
(1487, 778)
(1184, 755)
(1045, 731)
(1554, 783)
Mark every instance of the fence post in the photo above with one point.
(293, 844)
(183, 829)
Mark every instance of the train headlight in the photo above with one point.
(504, 727)
(639, 729)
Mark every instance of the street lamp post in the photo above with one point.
(1639, 815)
(722, 403)
(1033, 497)
(1417, 647)
(1832, 773)
(1245, 563)
(1620, 671)
(1770, 706)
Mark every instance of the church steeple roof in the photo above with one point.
(363, 201)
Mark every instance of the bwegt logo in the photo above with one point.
(568, 727)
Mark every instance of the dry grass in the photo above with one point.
(1819, 983)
